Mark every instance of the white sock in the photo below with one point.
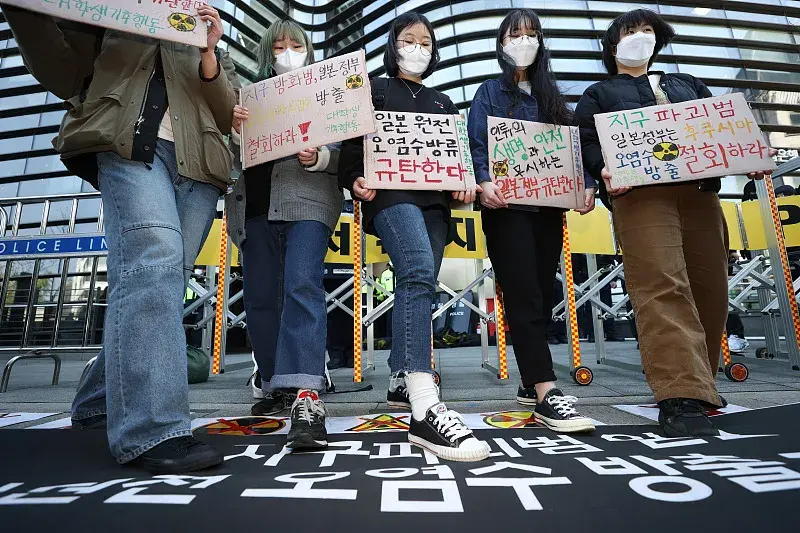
(422, 392)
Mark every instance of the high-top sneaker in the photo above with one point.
(397, 396)
(558, 413)
(308, 430)
(445, 434)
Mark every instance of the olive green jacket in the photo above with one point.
(63, 56)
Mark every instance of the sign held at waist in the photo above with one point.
(699, 139)
(536, 164)
(418, 151)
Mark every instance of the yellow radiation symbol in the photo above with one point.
(511, 420)
(381, 423)
(355, 81)
(246, 426)
(500, 168)
(666, 151)
(182, 22)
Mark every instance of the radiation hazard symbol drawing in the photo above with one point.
(500, 168)
(666, 151)
(381, 423)
(182, 22)
(238, 427)
(354, 81)
(511, 420)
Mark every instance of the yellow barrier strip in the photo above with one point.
(357, 341)
(219, 313)
(573, 315)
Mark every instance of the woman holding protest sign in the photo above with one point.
(145, 126)
(524, 242)
(673, 237)
(413, 226)
(281, 215)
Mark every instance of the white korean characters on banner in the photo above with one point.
(169, 20)
(536, 164)
(418, 151)
(323, 103)
(693, 140)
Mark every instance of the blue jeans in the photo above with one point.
(287, 319)
(415, 241)
(155, 223)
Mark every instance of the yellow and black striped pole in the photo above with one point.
(357, 341)
(220, 308)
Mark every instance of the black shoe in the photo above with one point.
(558, 413)
(93, 422)
(562, 339)
(397, 395)
(707, 407)
(308, 430)
(526, 396)
(179, 455)
(552, 339)
(445, 434)
(272, 404)
(337, 359)
(683, 417)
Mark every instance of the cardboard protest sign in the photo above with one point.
(418, 151)
(169, 20)
(323, 103)
(692, 140)
(535, 163)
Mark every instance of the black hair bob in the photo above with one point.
(544, 88)
(663, 31)
(390, 56)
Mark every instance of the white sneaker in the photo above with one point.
(737, 344)
(255, 380)
(445, 434)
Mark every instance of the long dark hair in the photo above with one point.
(552, 104)
(390, 55)
(663, 31)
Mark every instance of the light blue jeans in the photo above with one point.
(415, 240)
(155, 223)
(285, 301)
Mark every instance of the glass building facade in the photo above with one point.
(751, 47)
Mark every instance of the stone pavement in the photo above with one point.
(465, 385)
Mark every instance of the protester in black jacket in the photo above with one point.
(673, 236)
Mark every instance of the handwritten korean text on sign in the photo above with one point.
(326, 102)
(170, 20)
(418, 151)
(536, 164)
(692, 140)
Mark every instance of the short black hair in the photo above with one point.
(663, 31)
(390, 53)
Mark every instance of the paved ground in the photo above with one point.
(465, 385)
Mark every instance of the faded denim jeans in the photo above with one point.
(415, 240)
(155, 223)
(284, 298)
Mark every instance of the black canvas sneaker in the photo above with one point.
(683, 417)
(445, 434)
(308, 430)
(179, 455)
(271, 404)
(397, 396)
(526, 396)
(558, 413)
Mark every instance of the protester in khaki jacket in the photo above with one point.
(144, 125)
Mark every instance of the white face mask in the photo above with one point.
(522, 50)
(414, 60)
(636, 50)
(289, 60)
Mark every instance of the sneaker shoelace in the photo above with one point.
(563, 405)
(309, 408)
(452, 425)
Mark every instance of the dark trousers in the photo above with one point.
(734, 325)
(524, 247)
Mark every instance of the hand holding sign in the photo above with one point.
(588, 202)
(491, 196)
(240, 115)
(760, 175)
(610, 189)
(361, 191)
(307, 157)
(211, 18)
